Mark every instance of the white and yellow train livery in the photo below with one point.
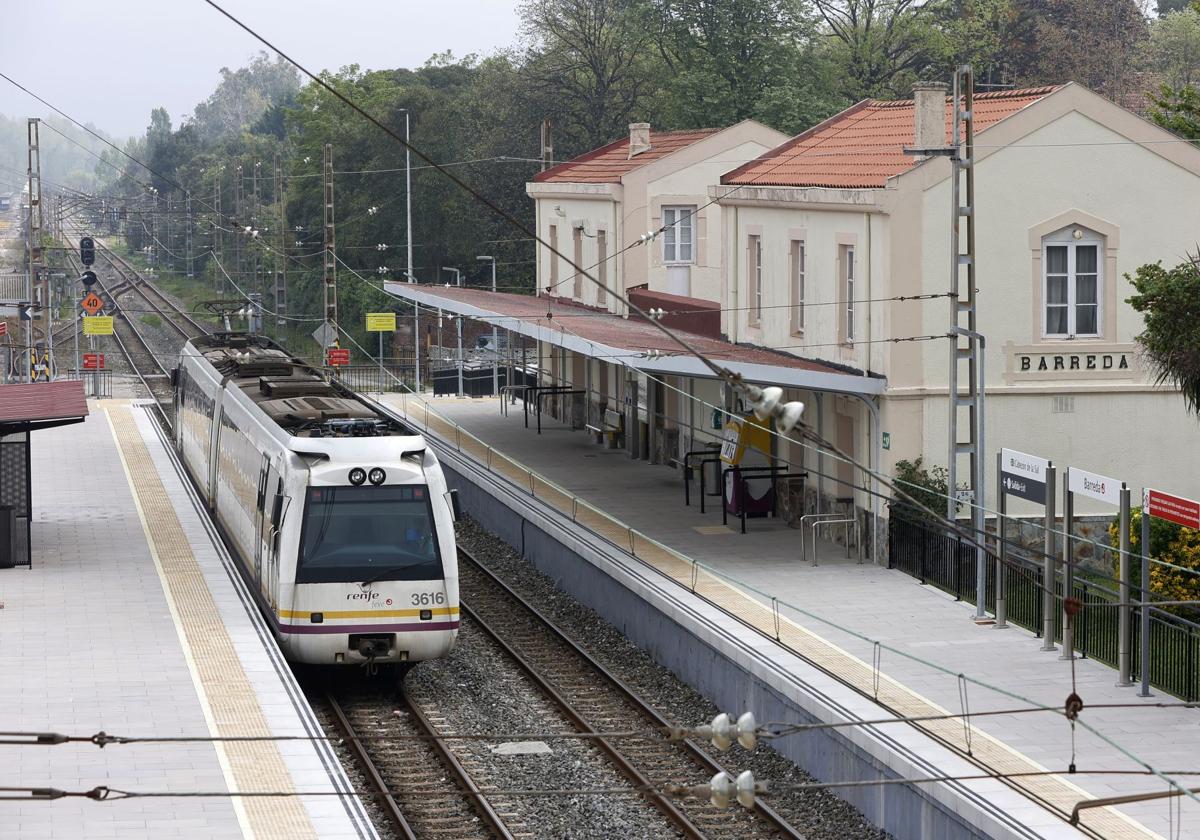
(338, 516)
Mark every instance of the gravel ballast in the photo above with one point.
(818, 814)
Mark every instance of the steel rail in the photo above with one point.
(688, 747)
(479, 809)
(355, 744)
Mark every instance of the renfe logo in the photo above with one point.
(362, 596)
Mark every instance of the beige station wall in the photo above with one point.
(825, 233)
(685, 185)
(595, 214)
(1073, 170)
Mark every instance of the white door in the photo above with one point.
(679, 280)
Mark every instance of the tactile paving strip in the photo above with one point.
(986, 749)
(225, 689)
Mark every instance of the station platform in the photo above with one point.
(132, 621)
(874, 630)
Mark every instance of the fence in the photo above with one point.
(373, 378)
(943, 559)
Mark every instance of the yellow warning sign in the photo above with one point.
(381, 322)
(98, 325)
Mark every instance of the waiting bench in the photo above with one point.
(610, 426)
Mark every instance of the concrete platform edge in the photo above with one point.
(738, 676)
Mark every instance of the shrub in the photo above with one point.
(927, 486)
(151, 320)
(1168, 542)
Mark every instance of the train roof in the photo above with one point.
(295, 396)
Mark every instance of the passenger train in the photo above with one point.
(337, 515)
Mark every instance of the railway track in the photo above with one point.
(598, 701)
(582, 694)
(363, 716)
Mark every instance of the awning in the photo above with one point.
(41, 405)
(605, 336)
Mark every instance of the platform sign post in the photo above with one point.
(1113, 492)
(1181, 511)
(1032, 478)
(381, 322)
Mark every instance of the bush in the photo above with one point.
(927, 486)
(1168, 542)
(151, 321)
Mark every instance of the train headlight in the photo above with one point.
(357, 476)
(377, 475)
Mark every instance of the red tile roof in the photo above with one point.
(863, 146)
(608, 164)
(40, 401)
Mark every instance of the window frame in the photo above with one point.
(755, 307)
(1065, 238)
(684, 218)
(798, 268)
(848, 277)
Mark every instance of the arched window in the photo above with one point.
(1072, 280)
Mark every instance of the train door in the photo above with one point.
(279, 504)
(261, 517)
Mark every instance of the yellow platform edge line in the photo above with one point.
(130, 445)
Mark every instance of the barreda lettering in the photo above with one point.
(1081, 361)
(1093, 486)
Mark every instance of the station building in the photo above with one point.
(785, 258)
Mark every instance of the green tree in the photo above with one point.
(592, 66)
(927, 485)
(1173, 50)
(730, 60)
(881, 44)
(1171, 543)
(1169, 300)
(1177, 110)
(1097, 44)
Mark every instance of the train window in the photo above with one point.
(360, 534)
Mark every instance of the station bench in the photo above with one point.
(610, 426)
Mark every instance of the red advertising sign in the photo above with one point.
(93, 361)
(337, 356)
(1175, 509)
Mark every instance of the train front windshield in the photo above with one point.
(359, 534)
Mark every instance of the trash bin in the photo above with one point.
(8, 536)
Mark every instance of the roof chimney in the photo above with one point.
(639, 138)
(929, 115)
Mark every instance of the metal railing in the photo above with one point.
(939, 558)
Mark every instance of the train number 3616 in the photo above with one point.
(425, 599)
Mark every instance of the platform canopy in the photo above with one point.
(602, 335)
(41, 405)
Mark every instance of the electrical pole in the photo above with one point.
(963, 303)
(238, 206)
(256, 281)
(33, 242)
(330, 274)
(218, 238)
(281, 257)
(187, 233)
(547, 146)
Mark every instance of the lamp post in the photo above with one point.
(495, 337)
(409, 248)
(458, 327)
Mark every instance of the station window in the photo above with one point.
(849, 270)
(678, 227)
(756, 279)
(799, 257)
(1071, 282)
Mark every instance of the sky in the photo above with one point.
(110, 63)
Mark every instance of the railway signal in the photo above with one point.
(87, 250)
(88, 278)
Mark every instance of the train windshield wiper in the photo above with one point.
(384, 572)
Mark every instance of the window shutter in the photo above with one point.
(700, 247)
(656, 247)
